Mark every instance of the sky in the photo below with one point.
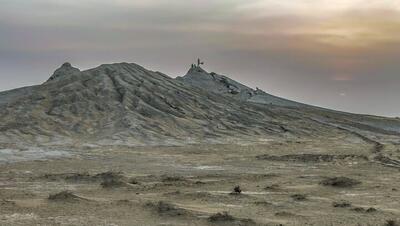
(339, 54)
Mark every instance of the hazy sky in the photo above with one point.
(341, 54)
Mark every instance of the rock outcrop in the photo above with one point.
(65, 70)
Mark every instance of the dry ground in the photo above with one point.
(187, 185)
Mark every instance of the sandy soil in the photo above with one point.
(282, 183)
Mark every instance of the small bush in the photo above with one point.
(78, 177)
(4, 202)
(165, 208)
(340, 182)
(168, 179)
(63, 196)
(263, 203)
(272, 187)
(363, 210)
(341, 204)
(112, 183)
(391, 223)
(236, 190)
(371, 210)
(358, 209)
(221, 217)
(133, 181)
(299, 197)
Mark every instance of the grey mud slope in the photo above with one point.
(126, 104)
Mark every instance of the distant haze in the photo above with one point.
(340, 54)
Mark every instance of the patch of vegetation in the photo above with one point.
(168, 209)
(263, 203)
(78, 177)
(64, 196)
(133, 181)
(112, 183)
(226, 218)
(285, 214)
(371, 210)
(236, 190)
(363, 210)
(124, 202)
(169, 179)
(314, 158)
(200, 195)
(358, 209)
(177, 192)
(386, 160)
(391, 223)
(341, 204)
(299, 197)
(5, 202)
(111, 179)
(85, 177)
(51, 177)
(272, 187)
(340, 182)
(221, 217)
(73, 177)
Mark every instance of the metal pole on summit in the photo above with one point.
(199, 62)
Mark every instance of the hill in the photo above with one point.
(127, 104)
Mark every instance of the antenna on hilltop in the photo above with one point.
(199, 62)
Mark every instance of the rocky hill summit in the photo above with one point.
(127, 104)
(197, 76)
(65, 70)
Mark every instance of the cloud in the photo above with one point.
(314, 7)
(291, 48)
(342, 77)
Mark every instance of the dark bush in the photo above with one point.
(221, 217)
(341, 204)
(299, 197)
(165, 208)
(65, 196)
(391, 223)
(340, 182)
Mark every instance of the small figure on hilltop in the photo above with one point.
(197, 67)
